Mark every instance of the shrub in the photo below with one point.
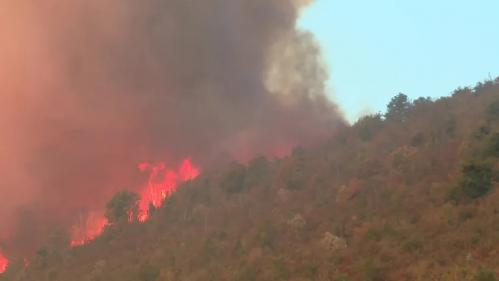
(248, 273)
(342, 278)
(148, 272)
(294, 174)
(413, 245)
(295, 181)
(234, 180)
(267, 237)
(373, 235)
(368, 126)
(493, 145)
(493, 110)
(378, 233)
(485, 275)
(312, 271)
(475, 182)
(258, 170)
(482, 132)
(210, 249)
(418, 140)
(280, 269)
(52, 275)
(451, 126)
(462, 91)
(373, 271)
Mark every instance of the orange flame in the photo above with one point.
(161, 184)
(4, 262)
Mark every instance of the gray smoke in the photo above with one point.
(90, 88)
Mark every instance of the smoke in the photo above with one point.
(91, 88)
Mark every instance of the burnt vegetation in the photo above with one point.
(409, 195)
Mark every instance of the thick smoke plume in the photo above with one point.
(91, 88)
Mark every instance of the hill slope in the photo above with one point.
(409, 196)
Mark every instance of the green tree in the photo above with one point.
(234, 181)
(475, 182)
(398, 108)
(493, 145)
(293, 172)
(122, 207)
(493, 110)
(257, 171)
(422, 101)
(462, 91)
(368, 126)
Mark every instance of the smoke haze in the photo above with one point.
(91, 88)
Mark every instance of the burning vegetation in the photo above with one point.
(91, 88)
(110, 107)
(4, 262)
(161, 184)
(410, 195)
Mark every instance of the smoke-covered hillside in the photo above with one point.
(90, 89)
(411, 195)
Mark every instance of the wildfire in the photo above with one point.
(161, 183)
(4, 262)
(87, 229)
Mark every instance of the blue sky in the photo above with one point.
(376, 49)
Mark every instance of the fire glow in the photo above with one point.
(4, 262)
(87, 229)
(161, 183)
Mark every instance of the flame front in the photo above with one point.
(161, 183)
(4, 262)
(88, 228)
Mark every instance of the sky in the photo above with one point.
(377, 49)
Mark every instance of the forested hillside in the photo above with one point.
(409, 195)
